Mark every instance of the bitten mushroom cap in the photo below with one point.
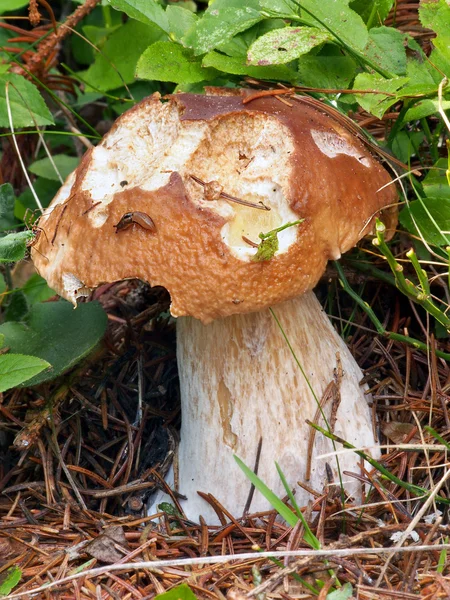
(297, 160)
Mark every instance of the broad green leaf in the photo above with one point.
(373, 12)
(406, 144)
(386, 49)
(330, 68)
(57, 333)
(10, 578)
(98, 35)
(25, 102)
(16, 369)
(180, 21)
(14, 246)
(284, 8)
(37, 290)
(145, 11)
(11, 5)
(281, 46)
(435, 184)
(377, 104)
(432, 216)
(239, 45)
(17, 306)
(181, 592)
(44, 168)
(7, 202)
(238, 66)
(287, 514)
(345, 592)
(336, 17)
(425, 108)
(117, 62)
(435, 15)
(168, 61)
(222, 20)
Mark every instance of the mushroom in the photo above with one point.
(177, 194)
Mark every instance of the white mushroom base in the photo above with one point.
(239, 382)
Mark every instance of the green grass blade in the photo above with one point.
(287, 514)
(309, 537)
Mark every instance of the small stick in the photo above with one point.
(264, 93)
(259, 206)
(249, 242)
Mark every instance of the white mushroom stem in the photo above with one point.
(239, 382)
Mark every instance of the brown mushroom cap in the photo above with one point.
(295, 159)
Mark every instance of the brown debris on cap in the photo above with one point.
(295, 160)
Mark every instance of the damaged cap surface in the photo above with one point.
(176, 162)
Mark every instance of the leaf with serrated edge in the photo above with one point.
(337, 17)
(236, 65)
(377, 104)
(221, 21)
(146, 11)
(27, 105)
(281, 46)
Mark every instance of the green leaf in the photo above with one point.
(12, 5)
(17, 306)
(36, 290)
(146, 11)
(281, 46)
(336, 17)
(25, 102)
(7, 202)
(406, 144)
(373, 12)
(117, 62)
(343, 593)
(377, 104)
(238, 66)
(287, 514)
(13, 246)
(425, 108)
(330, 68)
(64, 164)
(180, 21)
(222, 20)
(282, 8)
(181, 592)
(435, 183)
(17, 369)
(57, 333)
(386, 49)
(432, 216)
(435, 15)
(168, 61)
(10, 578)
